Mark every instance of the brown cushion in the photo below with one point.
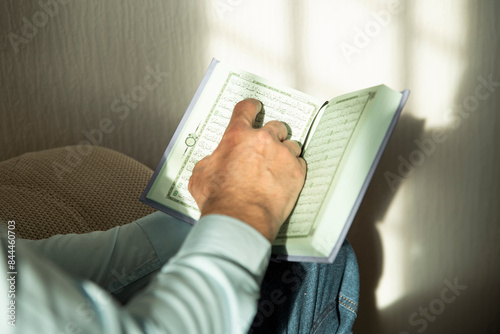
(72, 189)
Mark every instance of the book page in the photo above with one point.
(208, 120)
(352, 132)
(323, 155)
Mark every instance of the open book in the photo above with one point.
(343, 140)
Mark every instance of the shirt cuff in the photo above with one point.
(230, 238)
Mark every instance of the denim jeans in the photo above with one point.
(309, 297)
(295, 297)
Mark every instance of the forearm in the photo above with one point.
(118, 259)
(210, 286)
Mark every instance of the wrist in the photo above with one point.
(252, 214)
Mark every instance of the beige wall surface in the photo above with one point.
(81, 70)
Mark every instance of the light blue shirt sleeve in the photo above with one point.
(210, 286)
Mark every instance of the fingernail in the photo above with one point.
(288, 130)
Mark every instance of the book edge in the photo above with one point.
(143, 198)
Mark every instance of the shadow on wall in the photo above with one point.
(363, 234)
(450, 218)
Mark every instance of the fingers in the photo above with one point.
(198, 167)
(296, 148)
(303, 165)
(277, 129)
(293, 146)
(244, 112)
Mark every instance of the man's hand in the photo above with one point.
(254, 175)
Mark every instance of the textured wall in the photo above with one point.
(436, 221)
(64, 79)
